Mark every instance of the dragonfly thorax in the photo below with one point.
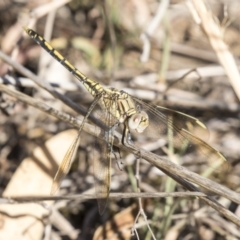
(138, 121)
(121, 105)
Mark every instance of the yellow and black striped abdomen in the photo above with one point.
(92, 86)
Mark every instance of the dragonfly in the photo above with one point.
(136, 116)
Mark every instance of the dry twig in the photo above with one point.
(178, 173)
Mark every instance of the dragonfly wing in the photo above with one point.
(65, 165)
(101, 156)
(187, 122)
(70, 154)
(212, 156)
(178, 129)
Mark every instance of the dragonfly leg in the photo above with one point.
(108, 135)
(120, 165)
(127, 140)
(118, 159)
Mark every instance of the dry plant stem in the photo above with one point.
(203, 72)
(143, 94)
(107, 11)
(47, 232)
(178, 176)
(42, 11)
(178, 173)
(49, 25)
(46, 86)
(43, 64)
(202, 104)
(162, 8)
(141, 210)
(181, 78)
(46, 8)
(26, 199)
(49, 110)
(173, 168)
(193, 52)
(26, 82)
(214, 34)
(137, 175)
(60, 222)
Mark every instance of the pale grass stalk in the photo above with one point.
(205, 19)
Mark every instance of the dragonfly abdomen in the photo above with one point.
(55, 54)
(93, 87)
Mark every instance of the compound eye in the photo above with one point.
(138, 121)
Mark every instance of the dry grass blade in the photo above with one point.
(215, 37)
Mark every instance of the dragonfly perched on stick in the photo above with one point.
(118, 107)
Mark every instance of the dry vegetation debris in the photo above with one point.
(107, 40)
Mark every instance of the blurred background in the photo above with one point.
(154, 50)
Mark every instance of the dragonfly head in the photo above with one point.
(138, 121)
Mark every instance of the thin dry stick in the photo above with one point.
(141, 210)
(113, 40)
(162, 8)
(43, 64)
(25, 199)
(165, 165)
(60, 222)
(46, 86)
(215, 37)
(26, 82)
(144, 94)
(46, 8)
(178, 173)
(178, 176)
(49, 110)
(200, 103)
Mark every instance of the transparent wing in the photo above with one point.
(65, 165)
(178, 129)
(69, 156)
(187, 122)
(101, 157)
